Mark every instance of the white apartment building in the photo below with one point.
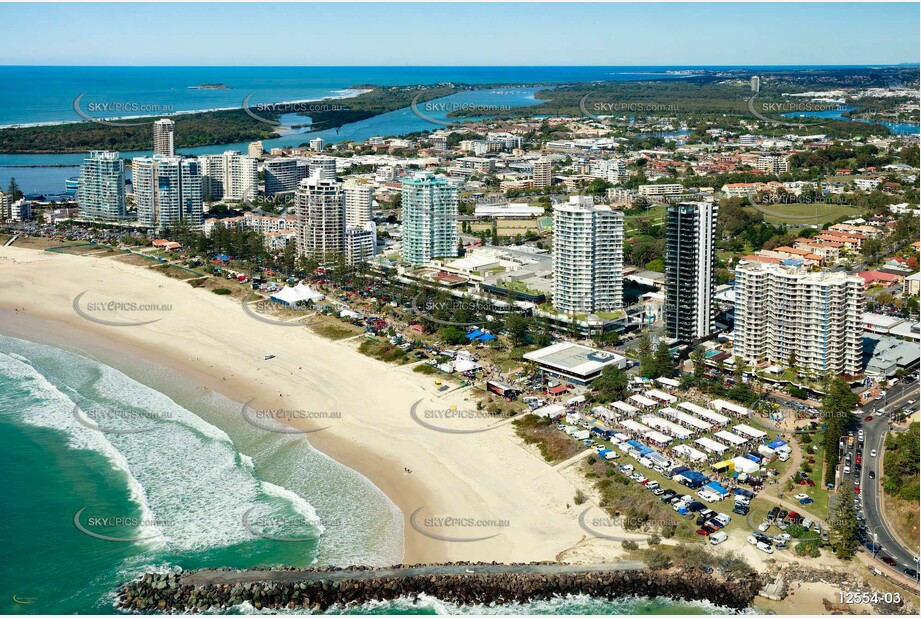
(359, 200)
(658, 190)
(283, 175)
(773, 164)
(101, 187)
(320, 207)
(228, 176)
(784, 310)
(588, 256)
(429, 208)
(167, 190)
(316, 144)
(165, 137)
(322, 167)
(360, 243)
(610, 170)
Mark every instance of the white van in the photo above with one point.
(719, 537)
(783, 456)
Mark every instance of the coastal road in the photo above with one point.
(209, 576)
(874, 439)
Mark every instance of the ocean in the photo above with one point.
(41, 95)
(111, 472)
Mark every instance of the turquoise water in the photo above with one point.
(181, 478)
(897, 128)
(188, 479)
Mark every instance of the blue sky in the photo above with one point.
(460, 34)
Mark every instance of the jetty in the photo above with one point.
(320, 588)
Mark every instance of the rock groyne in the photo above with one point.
(461, 583)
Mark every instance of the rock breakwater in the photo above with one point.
(462, 583)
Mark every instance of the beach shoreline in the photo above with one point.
(346, 93)
(488, 476)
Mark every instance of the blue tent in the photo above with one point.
(486, 337)
(776, 444)
(715, 486)
(473, 335)
(635, 444)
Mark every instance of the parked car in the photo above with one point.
(765, 548)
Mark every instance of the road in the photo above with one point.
(874, 437)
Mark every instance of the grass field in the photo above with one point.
(806, 214)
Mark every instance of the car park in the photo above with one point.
(847, 469)
(658, 491)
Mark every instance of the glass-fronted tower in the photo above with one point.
(690, 270)
(429, 218)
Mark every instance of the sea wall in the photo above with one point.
(325, 587)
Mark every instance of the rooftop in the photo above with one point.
(574, 358)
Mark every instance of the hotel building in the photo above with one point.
(101, 187)
(815, 316)
(588, 257)
(320, 208)
(228, 176)
(167, 190)
(429, 218)
(165, 137)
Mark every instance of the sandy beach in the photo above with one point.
(487, 477)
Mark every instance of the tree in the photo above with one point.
(697, 359)
(871, 249)
(844, 533)
(13, 190)
(517, 327)
(837, 405)
(664, 363)
(611, 385)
